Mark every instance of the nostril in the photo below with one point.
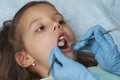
(54, 28)
(59, 27)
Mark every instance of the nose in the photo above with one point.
(57, 27)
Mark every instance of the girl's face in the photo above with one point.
(42, 29)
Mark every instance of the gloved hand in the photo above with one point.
(67, 69)
(103, 47)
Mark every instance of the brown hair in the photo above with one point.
(10, 43)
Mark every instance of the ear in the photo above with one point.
(24, 59)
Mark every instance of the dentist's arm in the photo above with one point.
(103, 47)
(67, 69)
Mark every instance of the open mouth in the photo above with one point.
(63, 43)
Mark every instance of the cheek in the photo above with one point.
(46, 44)
(49, 42)
(40, 49)
(45, 47)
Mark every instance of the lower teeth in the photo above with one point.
(61, 43)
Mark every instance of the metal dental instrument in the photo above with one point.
(53, 60)
(110, 30)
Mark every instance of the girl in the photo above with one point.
(26, 41)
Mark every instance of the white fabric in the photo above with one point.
(79, 14)
(8, 8)
(83, 14)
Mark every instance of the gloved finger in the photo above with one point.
(56, 69)
(89, 45)
(56, 66)
(87, 35)
(91, 31)
(61, 57)
(79, 45)
(100, 39)
(109, 39)
(82, 44)
(51, 57)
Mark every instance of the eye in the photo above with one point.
(62, 22)
(41, 28)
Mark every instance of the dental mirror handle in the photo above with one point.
(53, 60)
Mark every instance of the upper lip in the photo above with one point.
(62, 34)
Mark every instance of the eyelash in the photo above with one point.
(43, 27)
(62, 22)
(40, 28)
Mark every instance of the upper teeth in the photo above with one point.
(61, 37)
(61, 42)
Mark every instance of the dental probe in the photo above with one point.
(53, 60)
(110, 30)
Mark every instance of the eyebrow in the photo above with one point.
(33, 22)
(40, 18)
(58, 14)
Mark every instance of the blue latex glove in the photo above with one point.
(67, 69)
(103, 47)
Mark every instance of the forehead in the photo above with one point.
(40, 9)
(35, 12)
